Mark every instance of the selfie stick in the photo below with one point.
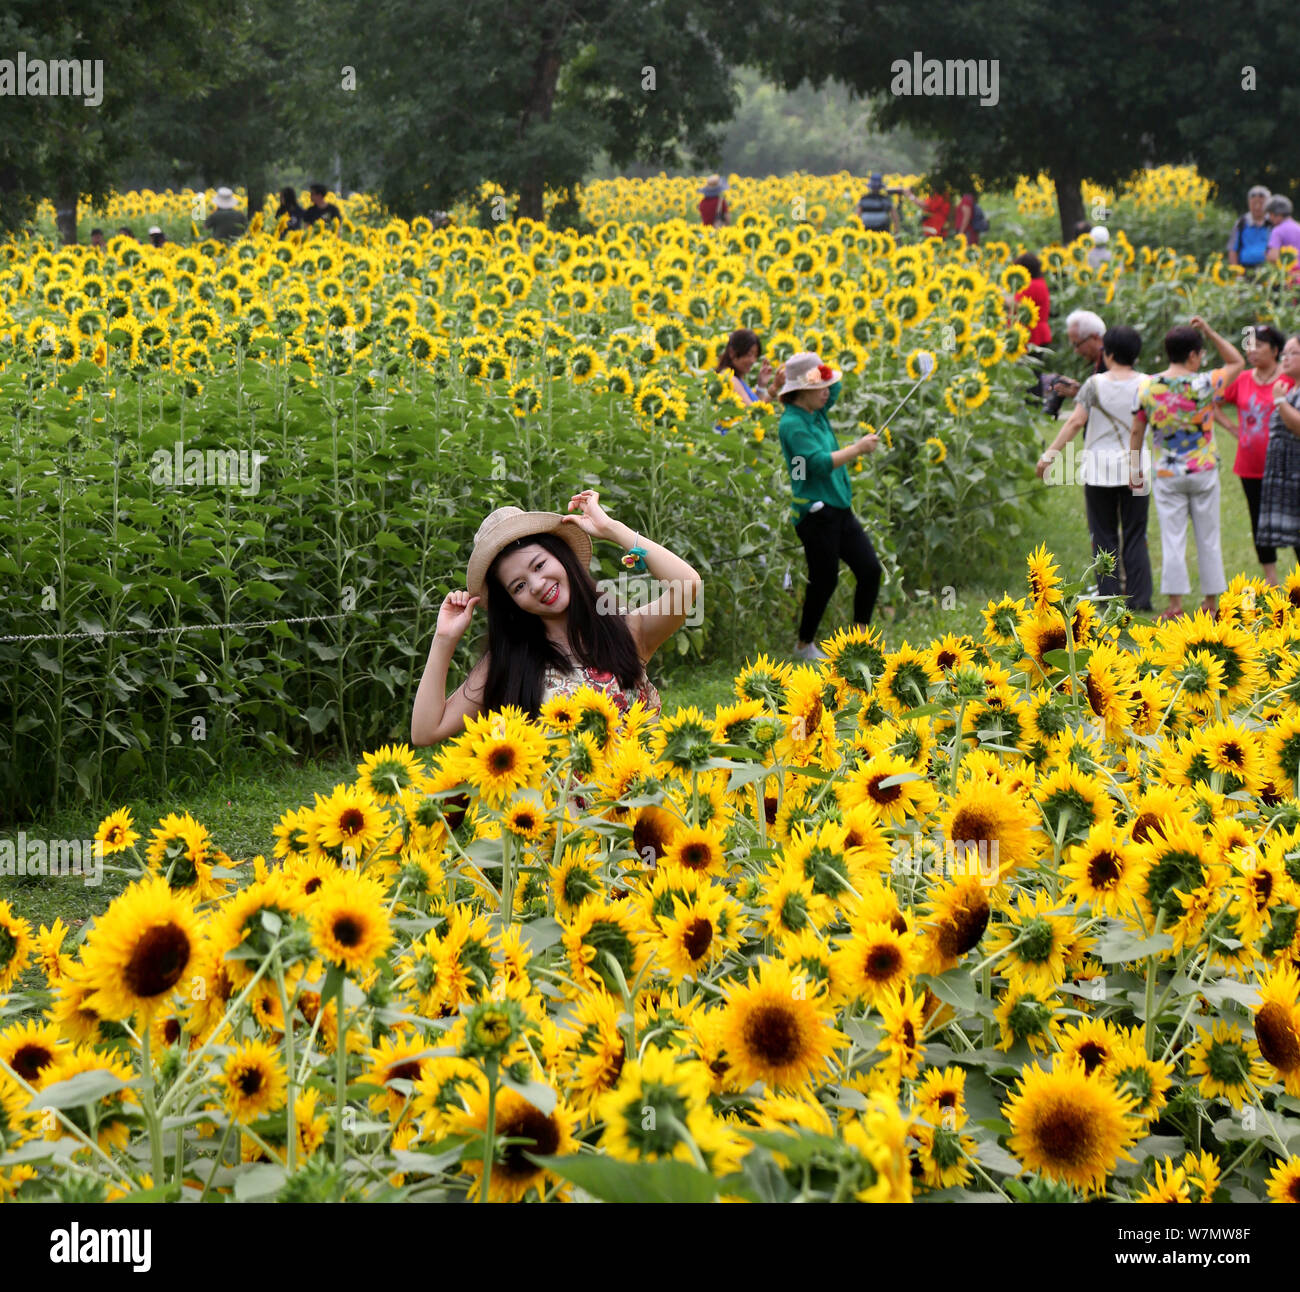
(926, 364)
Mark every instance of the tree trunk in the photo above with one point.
(541, 99)
(1069, 199)
(66, 217)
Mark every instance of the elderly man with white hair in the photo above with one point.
(1084, 330)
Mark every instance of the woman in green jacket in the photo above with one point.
(823, 502)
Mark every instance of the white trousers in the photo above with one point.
(1177, 497)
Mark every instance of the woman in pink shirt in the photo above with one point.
(1253, 393)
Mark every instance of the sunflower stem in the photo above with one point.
(957, 747)
(340, 1072)
(217, 1161)
(291, 1128)
(1149, 1030)
(489, 1131)
(149, 1105)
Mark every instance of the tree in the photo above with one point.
(66, 146)
(524, 94)
(1080, 94)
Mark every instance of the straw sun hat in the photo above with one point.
(224, 200)
(506, 524)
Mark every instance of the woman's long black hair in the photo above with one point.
(519, 649)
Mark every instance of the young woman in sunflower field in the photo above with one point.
(823, 503)
(549, 630)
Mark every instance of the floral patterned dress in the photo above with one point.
(556, 683)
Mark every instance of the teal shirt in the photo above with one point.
(808, 442)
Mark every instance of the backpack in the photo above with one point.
(978, 220)
(1252, 242)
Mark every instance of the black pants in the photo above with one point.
(1110, 511)
(1251, 487)
(829, 536)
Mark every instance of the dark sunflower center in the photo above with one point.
(30, 1059)
(352, 820)
(1262, 885)
(525, 821)
(312, 884)
(946, 659)
(696, 856)
(172, 1031)
(647, 833)
(408, 1071)
(698, 937)
(158, 961)
(1104, 869)
(882, 962)
(1096, 697)
(532, 1132)
(1231, 753)
(1092, 1054)
(1063, 1136)
(1277, 1037)
(887, 795)
(772, 1034)
(1144, 825)
(250, 1081)
(501, 760)
(347, 931)
(1052, 639)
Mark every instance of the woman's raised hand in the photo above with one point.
(454, 615)
(593, 518)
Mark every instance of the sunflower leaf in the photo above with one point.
(84, 1088)
(540, 1095)
(613, 1181)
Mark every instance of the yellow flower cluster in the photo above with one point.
(807, 919)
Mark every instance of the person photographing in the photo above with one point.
(822, 496)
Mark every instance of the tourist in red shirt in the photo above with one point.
(713, 206)
(1253, 393)
(936, 208)
(1036, 291)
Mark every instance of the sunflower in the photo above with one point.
(388, 771)
(698, 933)
(1092, 1043)
(955, 919)
(576, 879)
(653, 831)
(906, 680)
(1035, 942)
(1001, 621)
(1102, 870)
(1277, 1025)
(1175, 863)
(697, 848)
(892, 785)
(15, 946)
(683, 743)
(237, 924)
(916, 363)
(1073, 804)
(773, 1032)
(349, 923)
(522, 1131)
(989, 828)
(29, 1048)
(875, 961)
(140, 949)
(253, 1082)
(659, 1108)
(180, 850)
(940, 1097)
(115, 832)
(1044, 581)
(114, 1112)
(789, 904)
(498, 754)
(350, 822)
(902, 1020)
(403, 1056)
(1284, 1180)
(1169, 1185)
(600, 936)
(1229, 1065)
(764, 680)
(1071, 1127)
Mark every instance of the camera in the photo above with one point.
(1042, 392)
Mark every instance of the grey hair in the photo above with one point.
(1087, 323)
(1278, 205)
(1259, 191)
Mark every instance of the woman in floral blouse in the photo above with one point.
(1178, 403)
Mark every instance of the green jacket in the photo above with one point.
(808, 442)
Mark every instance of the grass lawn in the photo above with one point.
(240, 806)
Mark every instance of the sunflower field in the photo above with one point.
(1011, 918)
(238, 479)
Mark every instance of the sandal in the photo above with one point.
(1166, 615)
